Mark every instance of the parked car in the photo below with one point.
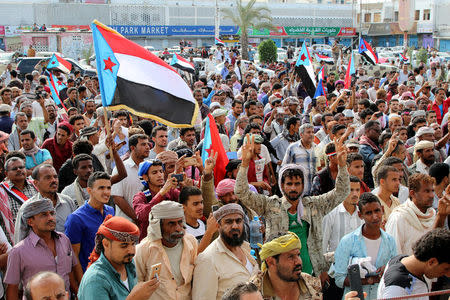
(27, 65)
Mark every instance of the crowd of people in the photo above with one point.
(98, 204)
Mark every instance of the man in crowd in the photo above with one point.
(46, 182)
(355, 166)
(293, 212)
(167, 243)
(18, 188)
(227, 260)
(282, 275)
(60, 145)
(388, 179)
(82, 168)
(409, 221)
(82, 225)
(112, 273)
(159, 137)
(405, 275)
(21, 122)
(370, 148)
(38, 248)
(45, 285)
(155, 188)
(193, 204)
(367, 246)
(34, 155)
(424, 153)
(124, 191)
(303, 154)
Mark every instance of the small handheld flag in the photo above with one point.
(59, 63)
(350, 71)
(181, 63)
(212, 142)
(324, 58)
(403, 58)
(55, 87)
(304, 69)
(135, 79)
(367, 51)
(219, 42)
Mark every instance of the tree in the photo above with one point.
(247, 16)
(267, 51)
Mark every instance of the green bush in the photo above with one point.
(267, 51)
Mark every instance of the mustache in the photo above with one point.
(298, 267)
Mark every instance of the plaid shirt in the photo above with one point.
(14, 202)
(296, 153)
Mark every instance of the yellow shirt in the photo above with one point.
(149, 253)
(218, 269)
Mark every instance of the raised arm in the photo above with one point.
(257, 202)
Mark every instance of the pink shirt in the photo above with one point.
(32, 255)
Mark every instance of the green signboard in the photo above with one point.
(303, 31)
(312, 31)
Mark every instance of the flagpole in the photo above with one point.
(108, 130)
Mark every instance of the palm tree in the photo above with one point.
(247, 16)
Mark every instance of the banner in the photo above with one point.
(320, 31)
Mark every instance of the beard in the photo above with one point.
(287, 275)
(174, 238)
(236, 239)
(292, 196)
(429, 162)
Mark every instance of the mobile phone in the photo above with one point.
(190, 161)
(179, 177)
(348, 93)
(379, 114)
(214, 208)
(355, 280)
(156, 271)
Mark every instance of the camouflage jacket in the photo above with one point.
(275, 211)
(310, 287)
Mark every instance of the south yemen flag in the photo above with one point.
(304, 68)
(324, 58)
(59, 63)
(134, 79)
(367, 51)
(182, 64)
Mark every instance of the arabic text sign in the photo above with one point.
(152, 30)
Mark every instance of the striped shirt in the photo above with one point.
(296, 153)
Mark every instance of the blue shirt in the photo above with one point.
(81, 228)
(41, 156)
(101, 281)
(353, 245)
(6, 124)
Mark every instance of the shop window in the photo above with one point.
(417, 15)
(367, 18)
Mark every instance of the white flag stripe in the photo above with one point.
(145, 72)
